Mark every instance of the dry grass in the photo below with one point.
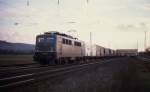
(144, 72)
(15, 59)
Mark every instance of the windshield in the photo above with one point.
(45, 40)
(45, 43)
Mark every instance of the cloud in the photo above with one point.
(133, 27)
(146, 7)
(126, 27)
(99, 16)
(143, 26)
(7, 34)
(16, 36)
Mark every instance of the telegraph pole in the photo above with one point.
(144, 27)
(91, 43)
(137, 45)
(145, 39)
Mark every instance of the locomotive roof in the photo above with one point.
(61, 34)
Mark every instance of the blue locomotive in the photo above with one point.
(55, 47)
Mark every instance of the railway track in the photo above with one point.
(5, 73)
(21, 77)
(143, 58)
(26, 67)
(19, 66)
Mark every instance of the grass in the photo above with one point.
(145, 76)
(15, 59)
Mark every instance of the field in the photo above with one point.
(8, 60)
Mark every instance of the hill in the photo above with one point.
(15, 48)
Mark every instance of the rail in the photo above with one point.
(38, 75)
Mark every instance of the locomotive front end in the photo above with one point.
(45, 49)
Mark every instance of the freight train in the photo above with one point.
(58, 48)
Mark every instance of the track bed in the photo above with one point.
(125, 74)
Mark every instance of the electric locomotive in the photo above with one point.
(58, 48)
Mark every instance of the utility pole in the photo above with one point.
(144, 27)
(137, 45)
(91, 43)
(145, 40)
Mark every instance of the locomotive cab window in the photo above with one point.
(41, 39)
(44, 39)
(46, 43)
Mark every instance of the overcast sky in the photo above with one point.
(113, 23)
